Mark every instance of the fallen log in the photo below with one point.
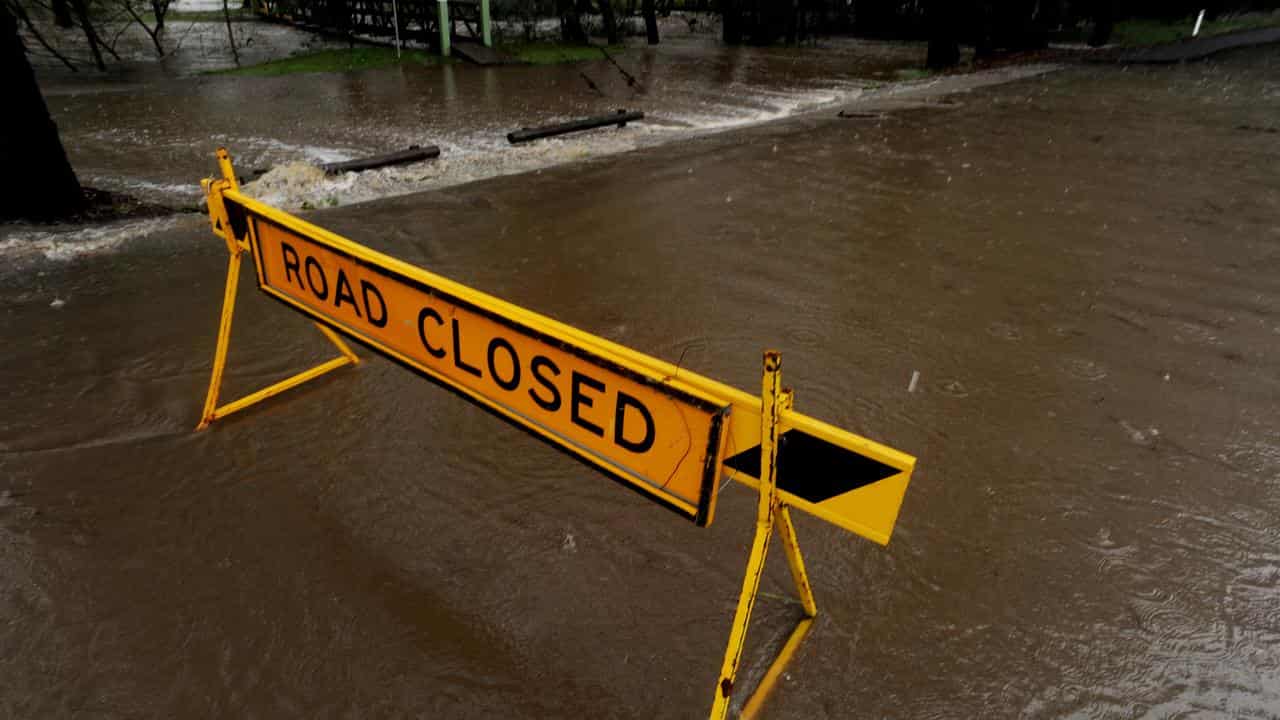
(414, 153)
(620, 118)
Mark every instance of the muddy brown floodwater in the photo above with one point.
(1084, 267)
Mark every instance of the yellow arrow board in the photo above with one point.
(663, 440)
(832, 474)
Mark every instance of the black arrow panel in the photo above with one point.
(813, 469)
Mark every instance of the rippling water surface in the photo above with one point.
(1081, 266)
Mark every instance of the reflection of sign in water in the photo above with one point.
(663, 441)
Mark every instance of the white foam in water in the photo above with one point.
(300, 185)
(297, 183)
(271, 148)
(68, 245)
(484, 152)
(145, 188)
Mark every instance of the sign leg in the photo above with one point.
(787, 531)
(771, 397)
(236, 247)
(224, 341)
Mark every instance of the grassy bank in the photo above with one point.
(1139, 33)
(548, 53)
(359, 58)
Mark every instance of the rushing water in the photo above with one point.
(149, 129)
(153, 136)
(1081, 266)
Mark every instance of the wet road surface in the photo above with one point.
(1082, 267)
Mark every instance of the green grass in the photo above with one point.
(546, 53)
(908, 74)
(1136, 33)
(360, 58)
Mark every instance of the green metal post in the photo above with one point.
(443, 21)
(484, 23)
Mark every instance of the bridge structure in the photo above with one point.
(437, 24)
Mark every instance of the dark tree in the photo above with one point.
(81, 8)
(731, 21)
(944, 34)
(1103, 22)
(571, 30)
(650, 20)
(610, 22)
(62, 14)
(1010, 25)
(40, 183)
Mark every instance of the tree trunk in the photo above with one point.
(39, 182)
(231, 37)
(160, 8)
(610, 22)
(731, 19)
(62, 14)
(944, 42)
(82, 15)
(650, 21)
(571, 31)
(1103, 23)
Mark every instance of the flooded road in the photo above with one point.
(147, 133)
(1082, 267)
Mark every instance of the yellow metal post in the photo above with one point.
(236, 247)
(771, 400)
(224, 340)
(787, 531)
(770, 513)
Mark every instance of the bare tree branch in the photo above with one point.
(153, 33)
(21, 13)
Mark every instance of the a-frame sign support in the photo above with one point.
(770, 512)
(222, 225)
(659, 415)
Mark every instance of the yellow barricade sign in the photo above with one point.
(666, 432)
(662, 440)
(663, 430)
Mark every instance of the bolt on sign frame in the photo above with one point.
(661, 430)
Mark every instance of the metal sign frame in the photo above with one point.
(755, 428)
(700, 511)
(697, 421)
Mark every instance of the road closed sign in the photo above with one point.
(660, 439)
(666, 432)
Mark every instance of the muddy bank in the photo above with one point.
(1080, 265)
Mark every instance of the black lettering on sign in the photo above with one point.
(425, 313)
(512, 382)
(619, 421)
(322, 292)
(367, 287)
(578, 400)
(457, 353)
(540, 363)
(344, 291)
(291, 263)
